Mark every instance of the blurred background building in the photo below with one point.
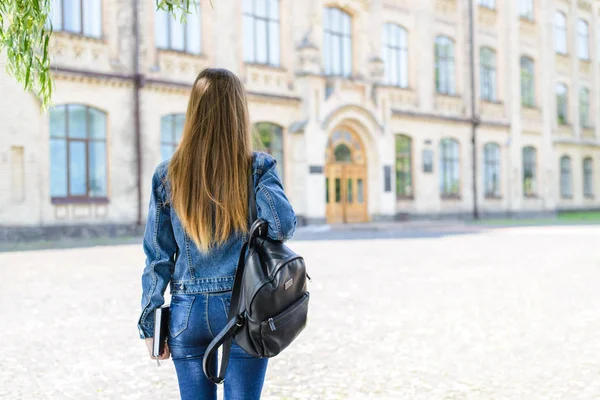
(375, 110)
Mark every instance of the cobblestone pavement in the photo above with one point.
(500, 314)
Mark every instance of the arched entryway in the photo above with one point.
(345, 178)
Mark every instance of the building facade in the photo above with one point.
(365, 104)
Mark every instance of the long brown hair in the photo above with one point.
(209, 171)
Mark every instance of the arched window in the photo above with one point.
(81, 17)
(529, 172)
(270, 137)
(444, 65)
(449, 168)
(560, 33)
(261, 32)
(562, 95)
(583, 40)
(171, 128)
(566, 181)
(588, 177)
(171, 34)
(488, 73)
(491, 169)
(404, 184)
(78, 167)
(527, 82)
(337, 42)
(342, 153)
(395, 55)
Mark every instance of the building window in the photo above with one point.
(491, 168)
(404, 185)
(584, 107)
(81, 17)
(395, 55)
(270, 138)
(562, 103)
(527, 82)
(526, 9)
(78, 167)
(337, 44)
(583, 40)
(171, 128)
(566, 184)
(560, 33)
(487, 3)
(261, 32)
(449, 168)
(529, 172)
(588, 182)
(488, 74)
(171, 34)
(444, 66)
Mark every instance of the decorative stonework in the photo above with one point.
(449, 104)
(588, 133)
(492, 110)
(528, 31)
(566, 131)
(445, 7)
(533, 115)
(398, 4)
(585, 5)
(563, 64)
(80, 52)
(264, 79)
(487, 18)
(584, 68)
(177, 66)
(401, 98)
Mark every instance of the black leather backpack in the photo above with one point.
(269, 300)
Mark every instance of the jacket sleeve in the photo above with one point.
(160, 248)
(273, 206)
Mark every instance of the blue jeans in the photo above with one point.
(194, 322)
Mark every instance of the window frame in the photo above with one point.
(445, 63)
(565, 104)
(449, 149)
(583, 40)
(529, 159)
(87, 198)
(490, 4)
(274, 129)
(400, 50)
(268, 19)
(588, 178)
(584, 107)
(170, 20)
(527, 82)
(404, 154)
(566, 177)
(527, 10)
(81, 31)
(487, 74)
(332, 37)
(173, 143)
(492, 159)
(560, 26)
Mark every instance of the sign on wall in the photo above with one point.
(427, 160)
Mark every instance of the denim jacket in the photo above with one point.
(172, 257)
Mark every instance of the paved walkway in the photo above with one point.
(503, 314)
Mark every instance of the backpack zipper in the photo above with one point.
(272, 324)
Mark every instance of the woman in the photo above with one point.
(195, 229)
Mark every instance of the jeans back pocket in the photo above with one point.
(180, 309)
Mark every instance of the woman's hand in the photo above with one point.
(165, 354)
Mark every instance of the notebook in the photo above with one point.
(161, 330)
